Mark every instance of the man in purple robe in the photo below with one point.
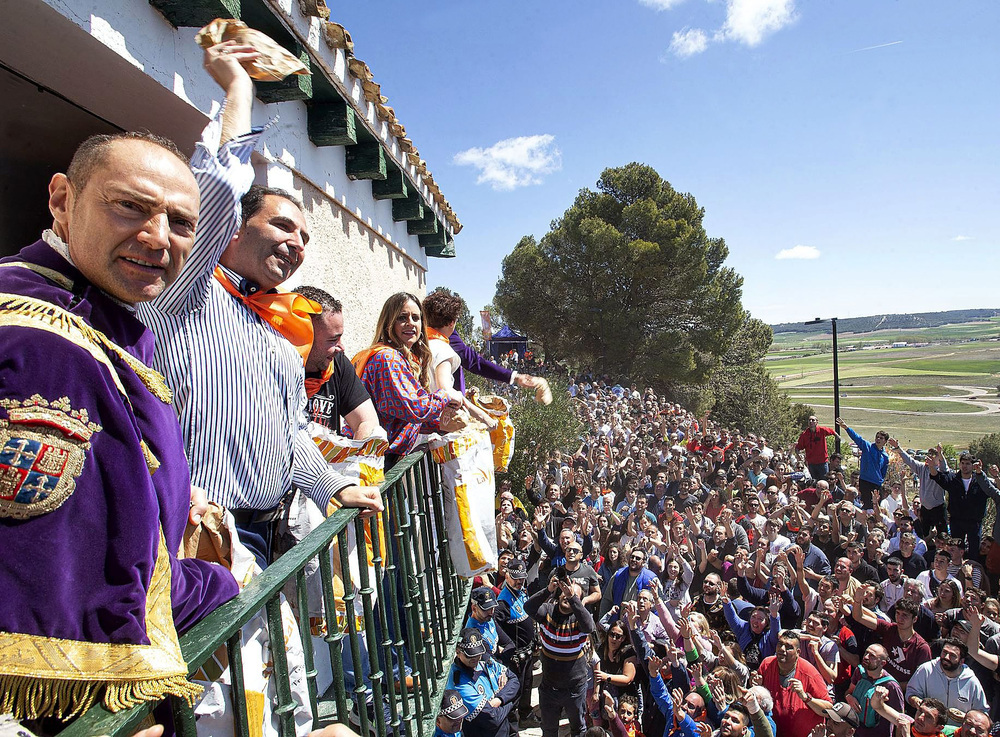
(95, 491)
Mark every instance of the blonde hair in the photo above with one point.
(419, 356)
(700, 623)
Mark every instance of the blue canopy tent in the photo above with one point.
(505, 340)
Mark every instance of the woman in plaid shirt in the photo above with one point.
(394, 371)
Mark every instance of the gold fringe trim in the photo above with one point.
(54, 316)
(35, 698)
(152, 462)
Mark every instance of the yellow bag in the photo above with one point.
(469, 490)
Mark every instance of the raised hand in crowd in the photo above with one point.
(609, 704)
(718, 690)
(774, 604)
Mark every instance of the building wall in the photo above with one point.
(133, 69)
(352, 261)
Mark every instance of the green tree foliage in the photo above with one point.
(465, 322)
(628, 281)
(540, 429)
(951, 453)
(744, 395)
(987, 449)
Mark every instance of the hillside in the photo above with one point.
(890, 322)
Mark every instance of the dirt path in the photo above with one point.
(976, 396)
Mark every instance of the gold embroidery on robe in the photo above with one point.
(47, 676)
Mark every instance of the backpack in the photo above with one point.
(863, 691)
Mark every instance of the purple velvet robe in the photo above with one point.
(81, 571)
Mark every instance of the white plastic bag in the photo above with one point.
(466, 460)
(214, 711)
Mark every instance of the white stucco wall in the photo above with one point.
(357, 252)
(350, 260)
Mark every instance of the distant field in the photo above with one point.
(913, 387)
(896, 389)
(964, 331)
(916, 430)
(891, 403)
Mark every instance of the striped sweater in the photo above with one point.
(563, 637)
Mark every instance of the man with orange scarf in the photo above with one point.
(232, 346)
(333, 387)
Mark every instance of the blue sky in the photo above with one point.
(792, 132)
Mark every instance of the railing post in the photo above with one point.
(305, 633)
(410, 607)
(366, 592)
(360, 689)
(234, 649)
(385, 645)
(183, 716)
(394, 587)
(423, 582)
(450, 580)
(333, 634)
(285, 708)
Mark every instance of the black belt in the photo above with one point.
(246, 517)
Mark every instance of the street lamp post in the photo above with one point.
(836, 375)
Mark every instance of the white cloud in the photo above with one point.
(750, 21)
(747, 22)
(798, 252)
(660, 4)
(688, 42)
(513, 162)
(963, 238)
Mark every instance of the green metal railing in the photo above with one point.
(416, 618)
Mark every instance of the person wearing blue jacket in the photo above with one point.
(756, 637)
(679, 722)
(874, 463)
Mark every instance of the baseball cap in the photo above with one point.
(841, 712)
(470, 642)
(517, 569)
(484, 598)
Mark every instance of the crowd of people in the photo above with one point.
(667, 576)
(672, 577)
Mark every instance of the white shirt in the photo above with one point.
(239, 386)
(441, 352)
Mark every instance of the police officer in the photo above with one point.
(450, 717)
(519, 627)
(487, 687)
(498, 645)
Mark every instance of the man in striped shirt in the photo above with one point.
(238, 383)
(564, 625)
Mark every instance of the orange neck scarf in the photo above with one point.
(361, 359)
(433, 334)
(287, 312)
(313, 385)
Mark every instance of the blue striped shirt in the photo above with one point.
(239, 386)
